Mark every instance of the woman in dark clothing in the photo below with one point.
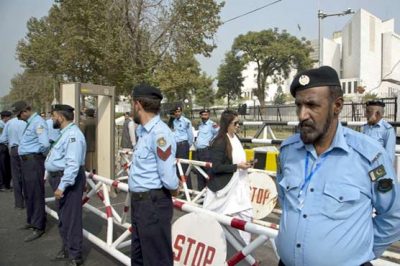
(228, 188)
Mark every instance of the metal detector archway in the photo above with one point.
(71, 94)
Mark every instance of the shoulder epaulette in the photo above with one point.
(291, 140)
(364, 145)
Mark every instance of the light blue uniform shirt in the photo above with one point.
(67, 154)
(183, 130)
(207, 131)
(330, 222)
(153, 162)
(54, 133)
(12, 132)
(35, 137)
(2, 124)
(384, 133)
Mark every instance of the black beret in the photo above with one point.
(204, 111)
(375, 103)
(18, 107)
(146, 91)
(317, 77)
(62, 107)
(5, 114)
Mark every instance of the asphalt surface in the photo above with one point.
(14, 251)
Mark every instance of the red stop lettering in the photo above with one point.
(197, 253)
(259, 195)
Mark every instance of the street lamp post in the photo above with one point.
(321, 16)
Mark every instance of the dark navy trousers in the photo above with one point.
(151, 217)
(182, 152)
(5, 169)
(16, 173)
(69, 210)
(32, 166)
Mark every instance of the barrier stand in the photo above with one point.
(268, 233)
(125, 155)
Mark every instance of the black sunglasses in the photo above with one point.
(236, 123)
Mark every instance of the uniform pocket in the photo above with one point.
(291, 188)
(339, 200)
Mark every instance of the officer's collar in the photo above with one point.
(149, 125)
(32, 117)
(338, 142)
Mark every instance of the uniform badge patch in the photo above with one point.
(164, 155)
(39, 130)
(161, 142)
(304, 80)
(72, 140)
(215, 125)
(377, 173)
(385, 185)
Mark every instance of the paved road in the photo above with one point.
(13, 251)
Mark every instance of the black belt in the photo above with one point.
(151, 194)
(182, 142)
(203, 149)
(32, 156)
(56, 174)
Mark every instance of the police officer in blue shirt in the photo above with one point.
(377, 128)
(182, 130)
(54, 133)
(34, 144)
(5, 170)
(65, 167)
(12, 135)
(207, 130)
(152, 177)
(330, 180)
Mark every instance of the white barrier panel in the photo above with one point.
(263, 194)
(198, 239)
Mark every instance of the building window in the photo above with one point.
(355, 86)
(349, 86)
(344, 87)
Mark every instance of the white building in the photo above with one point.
(366, 53)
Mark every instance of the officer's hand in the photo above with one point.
(175, 192)
(58, 194)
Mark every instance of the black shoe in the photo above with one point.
(26, 227)
(61, 255)
(35, 235)
(75, 262)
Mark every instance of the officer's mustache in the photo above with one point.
(307, 123)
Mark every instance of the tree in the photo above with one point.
(280, 96)
(117, 43)
(230, 79)
(275, 55)
(369, 96)
(34, 88)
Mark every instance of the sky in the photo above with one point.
(298, 17)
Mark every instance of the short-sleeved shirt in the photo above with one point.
(328, 201)
(35, 137)
(153, 161)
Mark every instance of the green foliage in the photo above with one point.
(230, 78)
(369, 96)
(121, 43)
(275, 55)
(280, 96)
(34, 88)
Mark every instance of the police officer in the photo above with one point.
(5, 171)
(184, 138)
(207, 130)
(65, 167)
(34, 144)
(152, 177)
(54, 133)
(12, 135)
(331, 179)
(378, 128)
